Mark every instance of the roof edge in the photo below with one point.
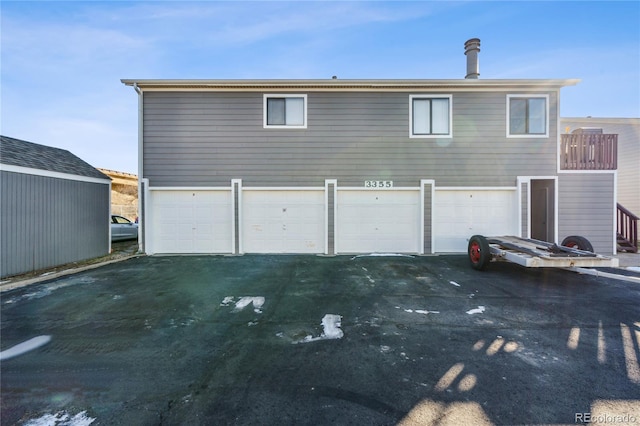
(34, 171)
(597, 119)
(347, 84)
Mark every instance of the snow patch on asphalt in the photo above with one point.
(62, 418)
(419, 311)
(371, 280)
(24, 347)
(331, 324)
(478, 310)
(633, 268)
(227, 301)
(454, 283)
(243, 302)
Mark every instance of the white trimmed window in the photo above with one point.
(285, 111)
(430, 116)
(527, 116)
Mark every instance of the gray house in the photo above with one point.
(357, 166)
(54, 208)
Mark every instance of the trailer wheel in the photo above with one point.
(577, 242)
(479, 252)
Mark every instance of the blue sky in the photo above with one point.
(62, 61)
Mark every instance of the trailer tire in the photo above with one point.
(577, 242)
(479, 252)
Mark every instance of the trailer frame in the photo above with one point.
(532, 253)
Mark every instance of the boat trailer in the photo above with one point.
(575, 252)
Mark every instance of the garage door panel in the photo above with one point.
(191, 221)
(283, 221)
(302, 228)
(378, 221)
(459, 214)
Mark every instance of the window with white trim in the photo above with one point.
(527, 116)
(285, 111)
(430, 116)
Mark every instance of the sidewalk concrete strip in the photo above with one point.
(10, 284)
(598, 273)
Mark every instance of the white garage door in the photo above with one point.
(376, 221)
(190, 222)
(459, 214)
(283, 221)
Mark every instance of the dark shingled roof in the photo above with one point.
(16, 152)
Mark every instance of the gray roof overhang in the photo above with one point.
(338, 85)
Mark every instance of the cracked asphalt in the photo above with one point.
(308, 340)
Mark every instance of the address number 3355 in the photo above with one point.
(378, 184)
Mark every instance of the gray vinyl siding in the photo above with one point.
(587, 208)
(49, 222)
(209, 138)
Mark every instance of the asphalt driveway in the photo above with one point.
(375, 340)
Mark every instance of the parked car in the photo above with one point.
(123, 229)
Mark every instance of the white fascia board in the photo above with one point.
(350, 85)
(599, 121)
(48, 173)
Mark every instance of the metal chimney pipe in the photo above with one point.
(471, 49)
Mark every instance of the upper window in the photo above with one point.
(430, 116)
(527, 116)
(285, 111)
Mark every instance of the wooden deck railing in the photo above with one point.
(627, 230)
(580, 151)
